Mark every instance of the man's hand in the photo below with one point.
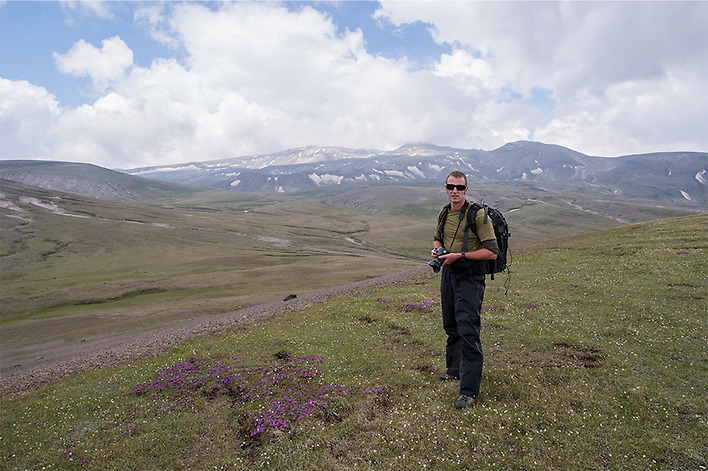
(450, 258)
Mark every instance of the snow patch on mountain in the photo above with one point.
(416, 171)
(274, 241)
(326, 179)
(700, 176)
(7, 204)
(171, 168)
(49, 206)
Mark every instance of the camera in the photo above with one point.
(437, 262)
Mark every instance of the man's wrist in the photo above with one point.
(463, 256)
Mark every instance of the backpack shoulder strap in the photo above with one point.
(472, 223)
(441, 219)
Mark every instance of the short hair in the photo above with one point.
(457, 174)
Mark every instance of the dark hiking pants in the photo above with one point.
(461, 297)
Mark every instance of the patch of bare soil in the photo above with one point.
(27, 368)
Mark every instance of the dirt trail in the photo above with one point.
(27, 368)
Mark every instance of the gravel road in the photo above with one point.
(27, 368)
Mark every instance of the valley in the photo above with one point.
(77, 270)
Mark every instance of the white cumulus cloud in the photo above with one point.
(102, 65)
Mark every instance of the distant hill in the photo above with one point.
(88, 180)
(676, 177)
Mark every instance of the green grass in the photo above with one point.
(594, 359)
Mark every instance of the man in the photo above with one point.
(462, 288)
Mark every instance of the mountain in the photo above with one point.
(669, 177)
(676, 177)
(88, 180)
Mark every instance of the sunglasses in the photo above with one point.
(451, 187)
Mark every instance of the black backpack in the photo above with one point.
(501, 232)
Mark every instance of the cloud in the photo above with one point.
(624, 77)
(256, 77)
(152, 19)
(38, 110)
(77, 10)
(103, 65)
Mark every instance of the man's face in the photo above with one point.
(456, 196)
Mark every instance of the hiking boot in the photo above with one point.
(465, 401)
(447, 377)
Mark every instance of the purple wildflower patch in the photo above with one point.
(283, 393)
(419, 305)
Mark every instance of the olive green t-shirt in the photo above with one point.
(453, 235)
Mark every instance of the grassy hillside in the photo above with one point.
(73, 267)
(89, 180)
(595, 359)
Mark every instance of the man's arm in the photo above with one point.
(477, 255)
(492, 246)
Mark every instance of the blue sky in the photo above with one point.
(131, 84)
(37, 29)
(32, 31)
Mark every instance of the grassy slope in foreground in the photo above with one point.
(594, 360)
